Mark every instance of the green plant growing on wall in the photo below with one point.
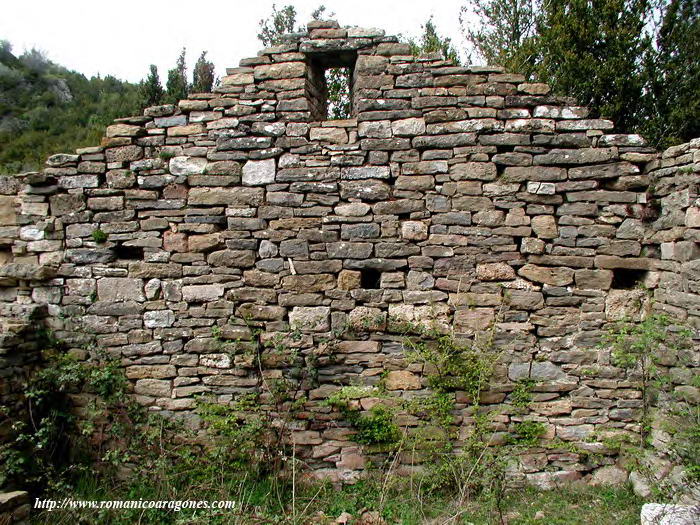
(99, 236)
(377, 427)
(166, 154)
(281, 396)
(683, 425)
(638, 347)
(521, 396)
(527, 433)
(43, 445)
(341, 398)
(437, 408)
(453, 365)
(237, 430)
(478, 468)
(374, 427)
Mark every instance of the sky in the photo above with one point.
(122, 38)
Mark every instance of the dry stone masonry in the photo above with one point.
(455, 197)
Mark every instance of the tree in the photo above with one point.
(47, 108)
(203, 75)
(176, 87)
(672, 76)
(150, 90)
(431, 42)
(503, 33)
(277, 24)
(593, 50)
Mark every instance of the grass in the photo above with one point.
(397, 502)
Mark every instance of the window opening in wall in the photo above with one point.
(128, 252)
(370, 279)
(626, 279)
(329, 83)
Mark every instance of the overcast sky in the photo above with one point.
(122, 38)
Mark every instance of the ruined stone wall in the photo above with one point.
(22, 314)
(461, 198)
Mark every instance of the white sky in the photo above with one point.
(123, 37)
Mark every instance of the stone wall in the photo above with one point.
(22, 315)
(461, 198)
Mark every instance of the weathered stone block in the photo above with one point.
(552, 276)
(349, 250)
(151, 372)
(332, 135)
(258, 172)
(187, 165)
(280, 71)
(537, 370)
(495, 272)
(409, 127)
(414, 230)
(186, 131)
(545, 226)
(153, 387)
(7, 210)
(626, 304)
(155, 270)
(309, 283)
(232, 258)
(262, 313)
(124, 130)
(159, 319)
(402, 380)
(594, 279)
(349, 280)
(120, 289)
(473, 320)
(66, 203)
(525, 300)
(473, 171)
(226, 196)
(310, 318)
(370, 172)
(352, 347)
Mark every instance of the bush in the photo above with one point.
(377, 427)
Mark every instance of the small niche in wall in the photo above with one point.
(5, 256)
(133, 253)
(626, 279)
(370, 279)
(329, 85)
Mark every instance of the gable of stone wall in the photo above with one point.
(457, 197)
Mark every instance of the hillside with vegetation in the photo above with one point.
(46, 108)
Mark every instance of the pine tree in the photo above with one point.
(431, 42)
(503, 32)
(176, 87)
(593, 51)
(672, 74)
(150, 90)
(203, 75)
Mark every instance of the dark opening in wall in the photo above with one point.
(626, 279)
(134, 253)
(370, 279)
(329, 83)
(5, 255)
